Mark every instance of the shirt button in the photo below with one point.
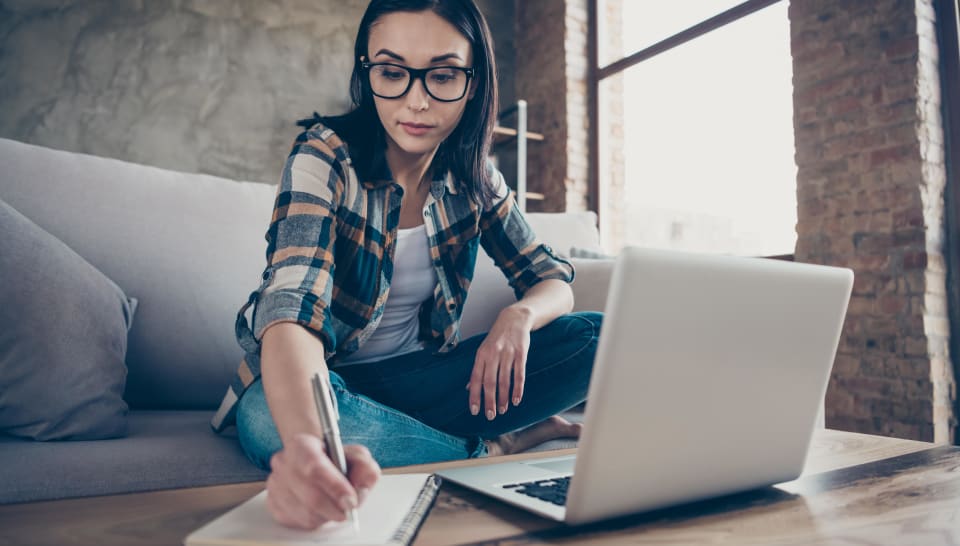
(451, 305)
(426, 213)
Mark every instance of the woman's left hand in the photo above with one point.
(502, 357)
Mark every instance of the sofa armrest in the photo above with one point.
(591, 283)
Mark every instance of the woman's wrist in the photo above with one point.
(520, 312)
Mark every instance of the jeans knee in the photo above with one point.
(582, 335)
(570, 338)
(580, 326)
(595, 318)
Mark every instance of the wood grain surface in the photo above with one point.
(912, 499)
(902, 499)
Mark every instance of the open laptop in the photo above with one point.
(709, 376)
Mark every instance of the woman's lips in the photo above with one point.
(416, 129)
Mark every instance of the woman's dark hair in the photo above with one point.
(465, 150)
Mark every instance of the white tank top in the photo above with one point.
(414, 280)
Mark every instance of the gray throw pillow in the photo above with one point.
(585, 253)
(63, 339)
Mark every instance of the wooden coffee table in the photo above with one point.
(856, 489)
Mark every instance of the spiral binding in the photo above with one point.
(418, 513)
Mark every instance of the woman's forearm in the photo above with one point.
(544, 302)
(289, 356)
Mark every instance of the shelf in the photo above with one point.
(504, 134)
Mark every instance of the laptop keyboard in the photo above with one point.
(552, 490)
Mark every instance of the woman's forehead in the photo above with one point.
(418, 37)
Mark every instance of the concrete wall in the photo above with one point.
(191, 85)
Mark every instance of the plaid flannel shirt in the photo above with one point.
(330, 255)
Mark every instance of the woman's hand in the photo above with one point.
(502, 357)
(305, 489)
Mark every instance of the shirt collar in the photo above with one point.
(443, 181)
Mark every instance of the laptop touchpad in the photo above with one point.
(561, 466)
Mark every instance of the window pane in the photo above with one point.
(642, 23)
(707, 147)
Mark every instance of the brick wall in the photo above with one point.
(551, 41)
(870, 186)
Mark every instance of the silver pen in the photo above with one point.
(329, 419)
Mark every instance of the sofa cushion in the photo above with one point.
(162, 450)
(189, 247)
(63, 339)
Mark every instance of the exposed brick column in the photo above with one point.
(578, 124)
(613, 198)
(551, 63)
(870, 185)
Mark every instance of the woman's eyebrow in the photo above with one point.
(436, 59)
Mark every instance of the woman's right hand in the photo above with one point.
(305, 489)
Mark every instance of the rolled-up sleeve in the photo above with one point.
(298, 280)
(508, 238)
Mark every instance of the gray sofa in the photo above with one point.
(189, 248)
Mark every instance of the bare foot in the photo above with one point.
(521, 440)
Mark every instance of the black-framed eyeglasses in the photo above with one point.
(443, 83)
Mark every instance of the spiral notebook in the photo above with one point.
(391, 515)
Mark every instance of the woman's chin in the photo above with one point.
(416, 146)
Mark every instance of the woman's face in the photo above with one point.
(417, 123)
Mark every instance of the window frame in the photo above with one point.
(596, 73)
(948, 29)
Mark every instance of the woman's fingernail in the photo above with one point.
(491, 414)
(503, 409)
(474, 409)
(362, 493)
(516, 401)
(348, 502)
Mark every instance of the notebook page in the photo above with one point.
(380, 516)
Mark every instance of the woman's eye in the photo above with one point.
(393, 74)
(443, 77)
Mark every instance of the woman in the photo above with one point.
(378, 220)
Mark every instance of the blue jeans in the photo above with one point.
(414, 408)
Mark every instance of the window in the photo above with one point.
(695, 142)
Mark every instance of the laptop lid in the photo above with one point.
(708, 379)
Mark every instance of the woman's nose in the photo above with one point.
(417, 98)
